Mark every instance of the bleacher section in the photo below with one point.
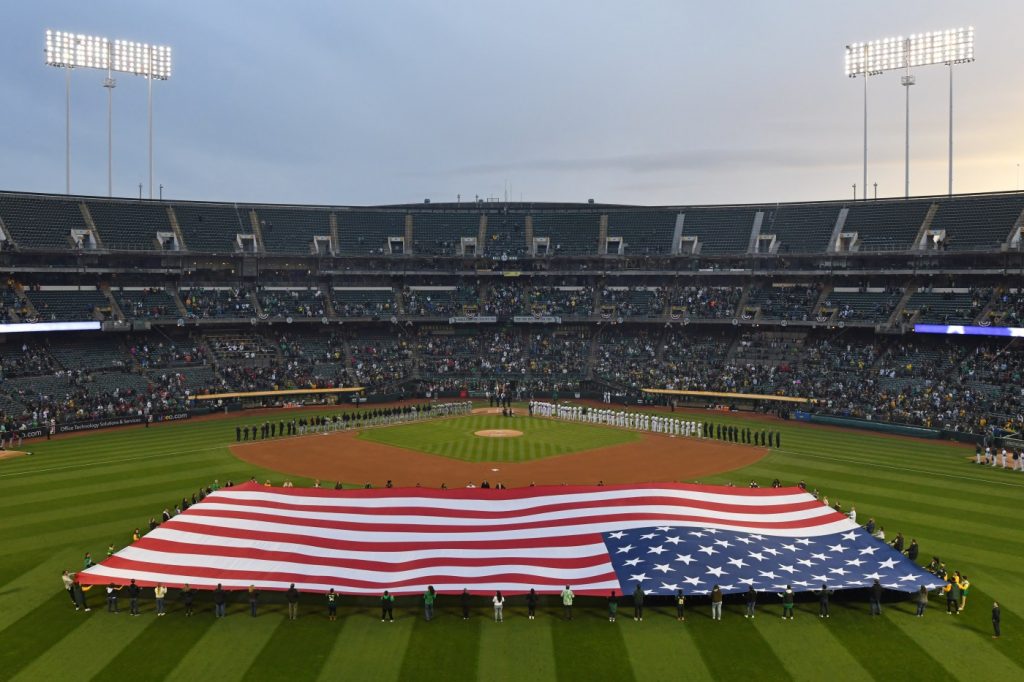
(140, 303)
(645, 233)
(290, 230)
(570, 234)
(37, 222)
(363, 302)
(634, 301)
(69, 305)
(801, 228)
(947, 307)
(440, 234)
(721, 231)
(506, 235)
(211, 228)
(886, 225)
(366, 233)
(129, 225)
(214, 302)
(93, 352)
(437, 301)
(977, 223)
(870, 305)
(784, 302)
(292, 302)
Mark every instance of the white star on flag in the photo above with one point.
(716, 571)
(685, 558)
(664, 568)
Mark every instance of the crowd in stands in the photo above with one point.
(964, 385)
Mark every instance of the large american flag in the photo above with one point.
(596, 539)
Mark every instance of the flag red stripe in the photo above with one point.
(635, 518)
(172, 547)
(443, 512)
(181, 523)
(227, 575)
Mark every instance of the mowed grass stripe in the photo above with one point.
(586, 649)
(163, 643)
(720, 646)
(882, 649)
(517, 649)
(790, 640)
(27, 638)
(368, 649)
(84, 651)
(298, 649)
(227, 647)
(443, 645)
(660, 648)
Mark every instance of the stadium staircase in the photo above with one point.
(173, 218)
(179, 305)
(115, 309)
(254, 222)
(481, 236)
(986, 310)
(528, 232)
(602, 236)
(87, 217)
(926, 225)
(826, 290)
(335, 241)
(897, 313)
(24, 301)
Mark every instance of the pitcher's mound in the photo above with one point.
(498, 433)
(11, 454)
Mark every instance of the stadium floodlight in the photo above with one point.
(73, 50)
(949, 47)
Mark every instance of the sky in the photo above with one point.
(645, 102)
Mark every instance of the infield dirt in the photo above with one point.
(344, 457)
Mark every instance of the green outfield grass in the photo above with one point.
(79, 494)
(541, 438)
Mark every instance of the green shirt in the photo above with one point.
(567, 596)
(429, 597)
(387, 599)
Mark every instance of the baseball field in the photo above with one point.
(80, 494)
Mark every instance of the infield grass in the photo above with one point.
(541, 438)
(79, 494)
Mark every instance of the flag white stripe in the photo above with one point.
(571, 552)
(124, 575)
(585, 513)
(346, 575)
(514, 504)
(489, 535)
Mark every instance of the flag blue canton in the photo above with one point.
(666, 559)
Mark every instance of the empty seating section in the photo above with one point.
(886, 225)
(569, 234)
(562, 301)
(801, 229)
(974, 223)
(9, 303)
(308, 346)
(440, 234)
(40, 222)
(706, 302)
(291, 230)
(143, 303)
(720, 231)
(215, 302)
(506, 235)
(634, 301)
(69, 305)
(292, 302)
(948, 306)
(363, 302)
(784, 302)
(440, 301)
(871, 305)
(129, 225)
(366, 233)
(94, 352)
(211, 227)
(193, 378)
(643, 232)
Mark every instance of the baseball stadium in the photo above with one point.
(460, 439)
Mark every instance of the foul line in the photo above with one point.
(897, 468)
